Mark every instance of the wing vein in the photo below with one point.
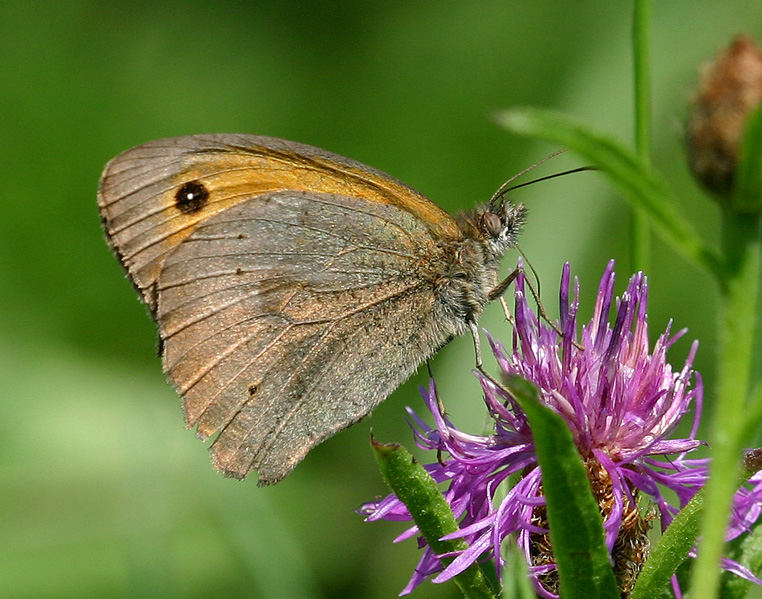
(300, 401)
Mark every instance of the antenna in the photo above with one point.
(507, 187)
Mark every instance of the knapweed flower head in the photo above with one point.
(621, 400)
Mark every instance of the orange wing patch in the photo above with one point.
(138, 194)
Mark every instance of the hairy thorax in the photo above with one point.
(464, 289)
(473, 263)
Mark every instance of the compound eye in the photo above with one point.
(490, 223)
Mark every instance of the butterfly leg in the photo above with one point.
(477, 346)
(440, 406)
(505, 283)
(500, 288)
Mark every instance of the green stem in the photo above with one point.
(738, 301)
(639, 229)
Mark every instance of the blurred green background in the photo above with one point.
(103, 493)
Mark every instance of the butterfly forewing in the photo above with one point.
(138, 190)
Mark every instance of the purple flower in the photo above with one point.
(621, 401)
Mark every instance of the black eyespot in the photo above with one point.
(191, 197)
(253, 389)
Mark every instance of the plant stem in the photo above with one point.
(738, 300)
(639, 229)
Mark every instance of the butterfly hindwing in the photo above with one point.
(273, 314)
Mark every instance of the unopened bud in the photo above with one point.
(730, 89)
(752, 460)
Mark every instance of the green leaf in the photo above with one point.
(680, 537)
(576, 531)
(417, 490)
(516, 581)
(644, 188)
(747, 194)
(671, 550)
(749, 553)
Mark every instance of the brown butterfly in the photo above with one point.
(293, 288)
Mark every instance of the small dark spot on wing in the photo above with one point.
(191, 197)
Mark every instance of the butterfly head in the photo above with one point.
(499, 225)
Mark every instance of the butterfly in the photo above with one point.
(293, 289)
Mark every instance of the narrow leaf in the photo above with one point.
(680, 537)
(417, 490)
(749, 553)
(644, 188)
(516, 581)
(576, 530)
(671, 550)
